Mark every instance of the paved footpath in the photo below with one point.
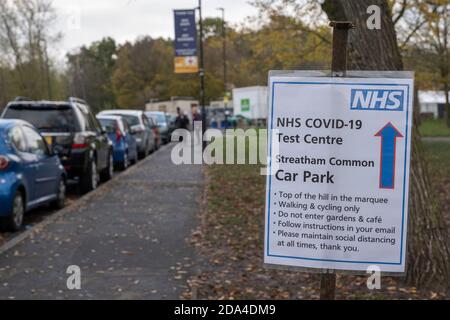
(128, 238)
(436, 139)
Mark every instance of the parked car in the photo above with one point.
(162, 123)
(30, 174)
(124, 143)
(155, 129)
(140, 128)
(74, 133)
(171, 121)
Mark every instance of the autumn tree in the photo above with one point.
(90, 71)
(279, 42)
(428, 252)
(25, 35)
(141, 68)
(431, 38)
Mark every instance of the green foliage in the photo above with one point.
(434, 128)
(213, 27)
(126, 76)
(90, 71)
(282, 42)
(438, 156)
(25, 36)
(144, 69)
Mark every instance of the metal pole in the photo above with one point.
(224, 51)
(338, 69)
(202, 74)
(47, 70)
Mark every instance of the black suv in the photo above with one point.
(74, 133)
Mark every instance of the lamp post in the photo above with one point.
(202, 73)
(224, 51)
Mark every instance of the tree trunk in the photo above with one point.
(444, 70)
(447, 102)
(428, 256)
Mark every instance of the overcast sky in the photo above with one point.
(84, 21)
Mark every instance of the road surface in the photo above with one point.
(128, 238)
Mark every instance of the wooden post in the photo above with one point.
(338, 69)
(328, 285)
(340, 44)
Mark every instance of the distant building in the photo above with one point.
(251, 103)
(221, 104)
(432, 103)
(186, 105)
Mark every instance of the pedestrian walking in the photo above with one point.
(179, 119)
(197, 119)
(182, 121)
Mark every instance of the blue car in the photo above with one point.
(124, 143)
(30, 174)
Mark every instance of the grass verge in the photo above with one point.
(230, 238)
(438, 156)
(434, 128)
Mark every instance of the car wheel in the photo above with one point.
(60, 202)
(134, 160)
(126, 161)
(142, 154)
(90, 180)
(15, 220)
(108, 173)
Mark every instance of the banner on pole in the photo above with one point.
(186, 60)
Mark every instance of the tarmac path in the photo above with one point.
(129, 239)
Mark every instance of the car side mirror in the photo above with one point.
(136, 129)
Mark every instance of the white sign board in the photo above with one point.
(339, 153)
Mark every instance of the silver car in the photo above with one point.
(140, 128)
(162, 123)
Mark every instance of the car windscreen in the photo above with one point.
(46, 119)
(131, 120)
(160, 118)
(109, 124)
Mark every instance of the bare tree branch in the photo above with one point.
(401, 12)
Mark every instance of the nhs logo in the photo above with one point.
(368, 99)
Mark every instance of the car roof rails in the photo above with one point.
(18, 99)
(77, 100)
